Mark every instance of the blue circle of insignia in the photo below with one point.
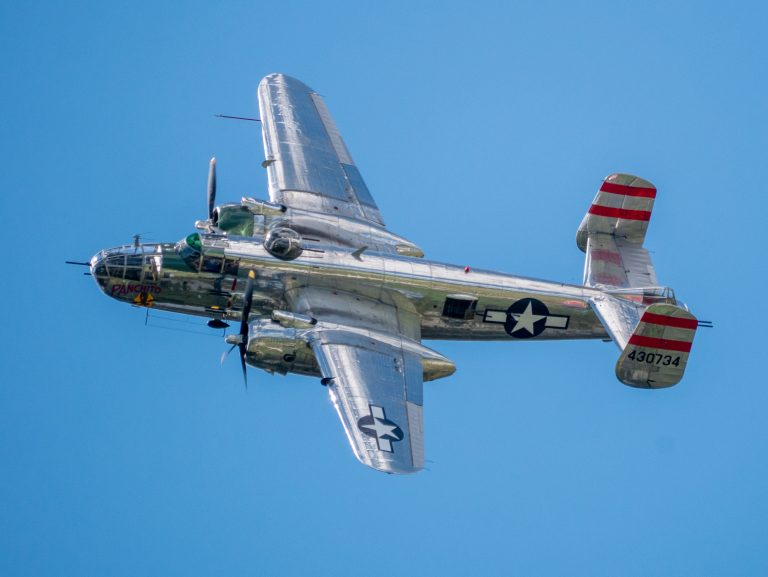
(520, 309)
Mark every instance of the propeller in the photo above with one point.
(241, 340)
(211, 187)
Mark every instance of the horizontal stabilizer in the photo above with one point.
(657, 352)
(619, 317)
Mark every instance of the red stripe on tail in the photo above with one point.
(624, 213)
(614, 188)
(664, 344)
(666, 321)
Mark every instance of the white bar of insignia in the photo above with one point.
(557, 322)
(495, 316)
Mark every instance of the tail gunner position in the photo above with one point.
(320, 287)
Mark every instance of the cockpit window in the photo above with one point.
(190, 249)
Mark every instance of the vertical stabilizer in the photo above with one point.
(657, 352)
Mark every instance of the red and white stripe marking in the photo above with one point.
(626, 190)
(681, 344)
(623, 201)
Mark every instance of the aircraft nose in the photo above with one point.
(99, 268)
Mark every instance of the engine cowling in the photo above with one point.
(233, 219)
(278, 349)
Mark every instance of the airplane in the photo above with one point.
(322, 288)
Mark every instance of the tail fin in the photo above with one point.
(622, 208)
(655, 340)
(613, 231)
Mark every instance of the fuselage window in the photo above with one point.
(231, 266)
(150, 269)
(212, 264)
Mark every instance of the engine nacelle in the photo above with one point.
(233, 219)
(278, 349)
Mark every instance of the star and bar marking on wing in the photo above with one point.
(526, 318)
(377, 425)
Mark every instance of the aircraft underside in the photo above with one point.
(315, 284)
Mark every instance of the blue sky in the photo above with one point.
(127, 450)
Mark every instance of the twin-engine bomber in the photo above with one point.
(320, 287)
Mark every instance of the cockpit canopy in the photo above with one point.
(209, 259)
(190, 249)
(283, 243)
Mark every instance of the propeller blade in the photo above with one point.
(247, 301)
(225, 354)
(211, 187)
(241, 341)
(242, 364)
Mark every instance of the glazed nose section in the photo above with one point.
(99, 269)
(108, 265)
(128, 272)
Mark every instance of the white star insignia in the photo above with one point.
(381, 429)
(527, 319)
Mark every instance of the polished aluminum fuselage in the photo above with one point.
(165, 282)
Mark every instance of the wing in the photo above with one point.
(308, 164)
(368, 351)
(376, 388)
